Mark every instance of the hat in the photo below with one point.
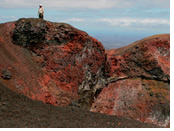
(40, 4)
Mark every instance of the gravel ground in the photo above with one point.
(17, 111)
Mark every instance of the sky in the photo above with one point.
(115, 23)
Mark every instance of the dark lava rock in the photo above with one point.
(29, 32)
(6, 74)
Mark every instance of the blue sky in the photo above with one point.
(115, 23)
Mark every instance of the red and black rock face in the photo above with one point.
(148, 58)
(139, 82)
(52, 62)
(61, 65)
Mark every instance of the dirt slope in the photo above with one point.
(20, 112)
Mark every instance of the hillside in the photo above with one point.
(17, 111)
(60, 65)
(138, 81)
(52, 62)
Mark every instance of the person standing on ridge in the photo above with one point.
(41, 11)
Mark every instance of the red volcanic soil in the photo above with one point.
(139, 82)
(17, 111)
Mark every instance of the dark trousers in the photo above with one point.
(41, 15)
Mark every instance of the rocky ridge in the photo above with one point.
(139, 82)
(61, 65)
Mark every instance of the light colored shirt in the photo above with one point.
(41, 10)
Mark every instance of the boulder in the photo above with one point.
(6, 74)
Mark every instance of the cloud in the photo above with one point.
(14, 3)
(89, 4)
(134, 22)
(8, 17)
(75, 20)
(92, 4)
(4, 19)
